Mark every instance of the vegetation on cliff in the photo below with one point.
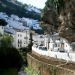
(11, 8)
(57, 4)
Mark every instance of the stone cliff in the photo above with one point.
(64, 22)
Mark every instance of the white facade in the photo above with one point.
(56, 43)
(3, 16)
(59, 55)
(21, 39)
(38, 39)
(2, 30)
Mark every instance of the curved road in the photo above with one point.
(22, 73)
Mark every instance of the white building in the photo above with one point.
(2, 30)
(3, 16)
(21, 37)
(15, 17)
(56, 43)
(38, 39)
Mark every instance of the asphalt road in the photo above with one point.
(22, 73)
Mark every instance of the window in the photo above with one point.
(18, 34)
(2, 27)
(18, 40)
(66, 45)
(58, 45)
(25, 37)
(18, 45)
(55, 45)
(21, 41)
(41, 36)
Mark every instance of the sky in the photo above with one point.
(36, 3)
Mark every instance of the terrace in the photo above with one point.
(42, 50)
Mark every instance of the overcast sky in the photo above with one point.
(36, 3)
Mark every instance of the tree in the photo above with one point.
(10, 58)
(31, 43)
(3, 22)
(7, 40)
(57, 4)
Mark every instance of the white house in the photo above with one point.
(2, 30)
(56, 43)
(38, 39)
(3, 16)
(21, 37)
(15, 17)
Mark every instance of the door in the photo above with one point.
(62, 45)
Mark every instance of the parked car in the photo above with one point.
(42, 48)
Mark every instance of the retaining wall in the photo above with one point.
(47, 69)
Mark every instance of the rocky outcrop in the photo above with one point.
(64, 23)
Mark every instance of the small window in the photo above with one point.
(2, 27)
(55, 45)
(58, 45)
(25, 37)
(18, 34)
(66, 45)
(18, 40)
(18, 45)
(65, 14)
(21, 41)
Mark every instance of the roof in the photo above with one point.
(8, 32)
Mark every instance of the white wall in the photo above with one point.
(60, 55)
(38, 39)
(56, 40)
(21, 36)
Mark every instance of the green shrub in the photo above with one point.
(10, 58)
(11, 71)
(30, 71)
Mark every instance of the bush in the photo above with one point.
(30, 71)
(12, 71)
(10, 58)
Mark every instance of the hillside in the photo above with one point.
(20, 10)
(21, 23)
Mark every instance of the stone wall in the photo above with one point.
(47, 69)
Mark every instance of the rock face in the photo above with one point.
(64, 23)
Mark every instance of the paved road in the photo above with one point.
(22, 73)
